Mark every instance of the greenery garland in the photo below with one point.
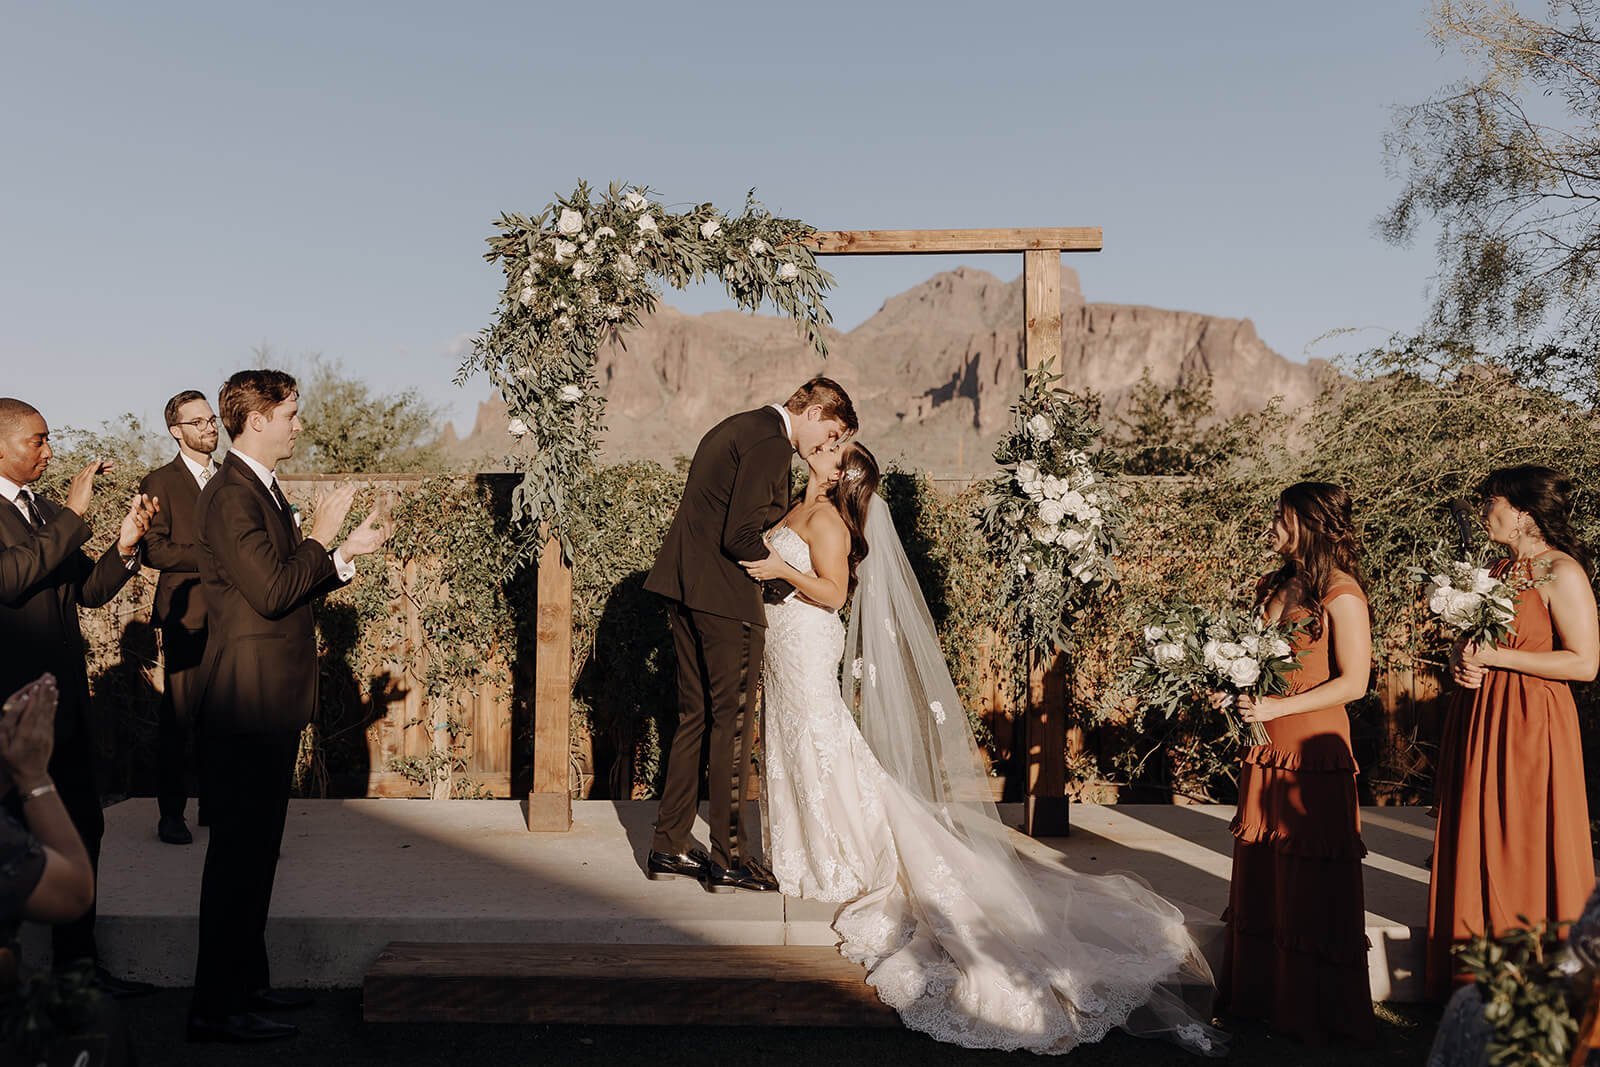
(584, 269)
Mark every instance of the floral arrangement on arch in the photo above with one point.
(1051, 517)
(583, 270)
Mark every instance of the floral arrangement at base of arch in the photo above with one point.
(1052, 517)
(583, 270)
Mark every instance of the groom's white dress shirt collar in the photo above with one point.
(12, 491)
(201, 473)
(788, 426)
(269, 478)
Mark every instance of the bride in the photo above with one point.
(967, 940)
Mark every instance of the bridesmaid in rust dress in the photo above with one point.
(1513, 836)
(1296, 953)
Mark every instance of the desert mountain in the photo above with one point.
(932, 374)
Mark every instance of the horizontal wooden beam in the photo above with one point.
(940, 242)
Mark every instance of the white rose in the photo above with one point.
(1045, 535)
(526, 296)
(1208, 654)
(570, 222)
(1072, 539)
(1168, 652)
(1054, 488)
(1230, 650)
(788, 272)
(517, 428)
(1153, 634)
(565, 249)
(629, 267)
(571, 394)
(758, 247)
(604, 231)
(1461, 608)
(636, 202)
(1278, 648)
(1039, 428)
(1027, 471)
(1251, 643)
(1073, 501)
(581, 268)
(1084, 569)
(1244, 672)
(589, 246)
(647, 224)
(1439, 598)
(1482, 581)
(1052, 512)
(708, 230)
(636, 247)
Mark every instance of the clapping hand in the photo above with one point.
(82, 487)
(332, 509)
(371, 534)
(136, 523)
(27, 732)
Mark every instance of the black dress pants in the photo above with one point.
(719, 664)
(251, 775)
(181, 652)
(72, 770)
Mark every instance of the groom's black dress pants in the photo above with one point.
(247, 803)
(719, 664)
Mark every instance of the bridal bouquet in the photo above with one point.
(1051, 516)
(1192, 650)
(1468, 600)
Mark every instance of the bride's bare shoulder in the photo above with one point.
(823, 521)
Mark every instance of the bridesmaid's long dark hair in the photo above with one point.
(1325, 542)
(852, 495)
(1546, 495)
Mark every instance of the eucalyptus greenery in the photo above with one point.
(1528, 983)
(584, 269)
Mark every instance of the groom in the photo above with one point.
(738, 486)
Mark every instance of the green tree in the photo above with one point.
(1506, 163)
(1166, 429)
(351, 427)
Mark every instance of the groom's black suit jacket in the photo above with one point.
(259, 577)
(738, 486)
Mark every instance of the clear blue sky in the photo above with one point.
(183, 181)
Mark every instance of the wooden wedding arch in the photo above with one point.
(550, 804)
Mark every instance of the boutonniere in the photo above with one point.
(294, 513)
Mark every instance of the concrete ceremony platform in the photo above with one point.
(356, 875)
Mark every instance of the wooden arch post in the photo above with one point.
(550, 806)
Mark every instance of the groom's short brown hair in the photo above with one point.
(830, 397)
(250, 391)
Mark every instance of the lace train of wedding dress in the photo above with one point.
(970, 943)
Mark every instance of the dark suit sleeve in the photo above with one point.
(160, 550)
(24, 566)
(759, 489)
(100, 582)
(236, 533)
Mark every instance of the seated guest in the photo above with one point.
(180, 607)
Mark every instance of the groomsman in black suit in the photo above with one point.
(44, 578)
(258, 690)
(738, 486)
(180, 606)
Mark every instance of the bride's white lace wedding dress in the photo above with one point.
(969, 942)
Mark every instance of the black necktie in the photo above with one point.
(277, 494)
(29, 512)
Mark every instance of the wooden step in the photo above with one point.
(639, 985)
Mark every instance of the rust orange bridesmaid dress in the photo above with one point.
(1296, 953)
(1513, 832)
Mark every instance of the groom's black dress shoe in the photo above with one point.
(718, 879)
(120, 988)
(661, 865)
(281, 999)
(242, 1029)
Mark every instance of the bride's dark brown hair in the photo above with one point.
(1325, 543)
(852, 495)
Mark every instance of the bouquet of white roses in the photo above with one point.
(1468, 600)
(1191, 650)
(1243, 653)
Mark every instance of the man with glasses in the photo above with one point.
(180, 609)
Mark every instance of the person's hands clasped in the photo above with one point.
(81, 491)
(136, 523)
(27, 733)
(332, 509)
(764, 570)
(1467, 668)
(1250, 708)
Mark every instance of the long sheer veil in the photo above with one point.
(1094, 930)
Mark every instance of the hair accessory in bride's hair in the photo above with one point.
(854, 474)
